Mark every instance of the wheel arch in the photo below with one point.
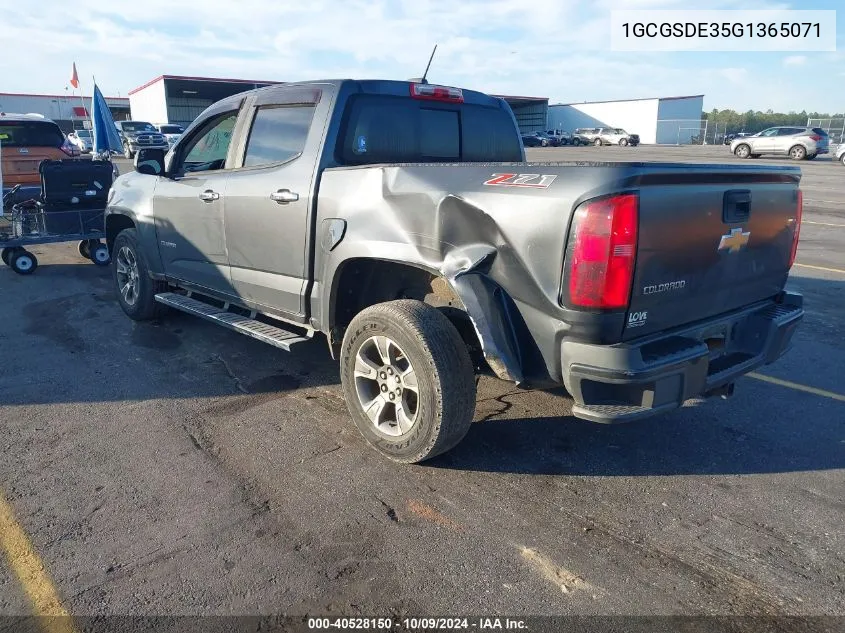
(478, 306)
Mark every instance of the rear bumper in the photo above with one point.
(626, 382)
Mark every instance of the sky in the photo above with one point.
(558, 49)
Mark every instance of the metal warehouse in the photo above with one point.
(661, 120)
(69, 111)
(176, 99)
(180, 100)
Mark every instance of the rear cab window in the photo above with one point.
(30, 134)
(380, 128)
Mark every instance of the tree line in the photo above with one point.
(753, 122)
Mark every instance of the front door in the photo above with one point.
(268, 199)
(188, 209)
(766, 142)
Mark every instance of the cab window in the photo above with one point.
(207, 150)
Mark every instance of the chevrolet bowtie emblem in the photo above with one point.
(734, 240)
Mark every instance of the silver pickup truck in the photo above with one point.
(400, 221)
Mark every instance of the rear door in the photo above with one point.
(269, 197)
(710, 240)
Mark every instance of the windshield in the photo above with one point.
(137, 126)
(386, 129)
(619, 130)
(30, 134)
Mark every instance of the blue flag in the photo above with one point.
(105, 133)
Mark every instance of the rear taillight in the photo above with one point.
(798, 213)
(602, 251)
(428, 92)
(815, 137)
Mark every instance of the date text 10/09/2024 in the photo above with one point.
(417, 624)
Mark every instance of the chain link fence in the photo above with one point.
(689, 132)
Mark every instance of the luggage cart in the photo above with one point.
(71, 207)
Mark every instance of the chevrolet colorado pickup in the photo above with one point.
(401, 221)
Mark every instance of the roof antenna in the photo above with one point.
(423, 80)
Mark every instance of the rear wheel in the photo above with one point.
(797, 152)
(408, 380)
(742, 151)
(842, 159)
(6, 255)
(127, 151)
(136, 290)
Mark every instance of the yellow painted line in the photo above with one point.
(799, 387)
(830, 270)
(29, 569)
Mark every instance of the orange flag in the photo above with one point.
(74, 80)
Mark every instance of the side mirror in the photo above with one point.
(150, 161)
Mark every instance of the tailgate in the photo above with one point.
(710, 241)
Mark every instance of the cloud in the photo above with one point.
(795, 60)
(559, 49)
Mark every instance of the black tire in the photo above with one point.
(797, 152)
(23, 262)
(597, 142)
(100, 254)
(755, 155)
(144, 307)
(842, 159)
(811, 156)
(743, 150)
(84, 248)
(127, 151)
(445, 379)
(6, 255)
(623, 142)
(544, 143)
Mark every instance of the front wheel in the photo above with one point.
(742, 151)
(597, 142)
(623, 142)
(127, 151)
(23, 262)
(136, 290)
(842, 159)
(408, 380)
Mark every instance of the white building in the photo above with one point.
(662, 120)
(69, 111)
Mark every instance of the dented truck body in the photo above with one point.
(635, 285)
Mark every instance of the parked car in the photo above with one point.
(378, 214)
(535, 139)
(730, 137)
(140, 134)
(582, 136)
(561, 137)
(798, 143)
(83, 139)
(26, 140)
(840, 154)
(606, 136)
(171, 132)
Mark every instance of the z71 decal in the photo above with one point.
(535, 181)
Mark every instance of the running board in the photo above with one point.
(244, 325)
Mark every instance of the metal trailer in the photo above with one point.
(48, 220)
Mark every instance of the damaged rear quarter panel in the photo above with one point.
(482, 239)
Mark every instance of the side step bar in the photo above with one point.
(244, 325)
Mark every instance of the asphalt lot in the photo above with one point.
(177, 468)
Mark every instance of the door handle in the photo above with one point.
(284, 196)
(209, 196)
